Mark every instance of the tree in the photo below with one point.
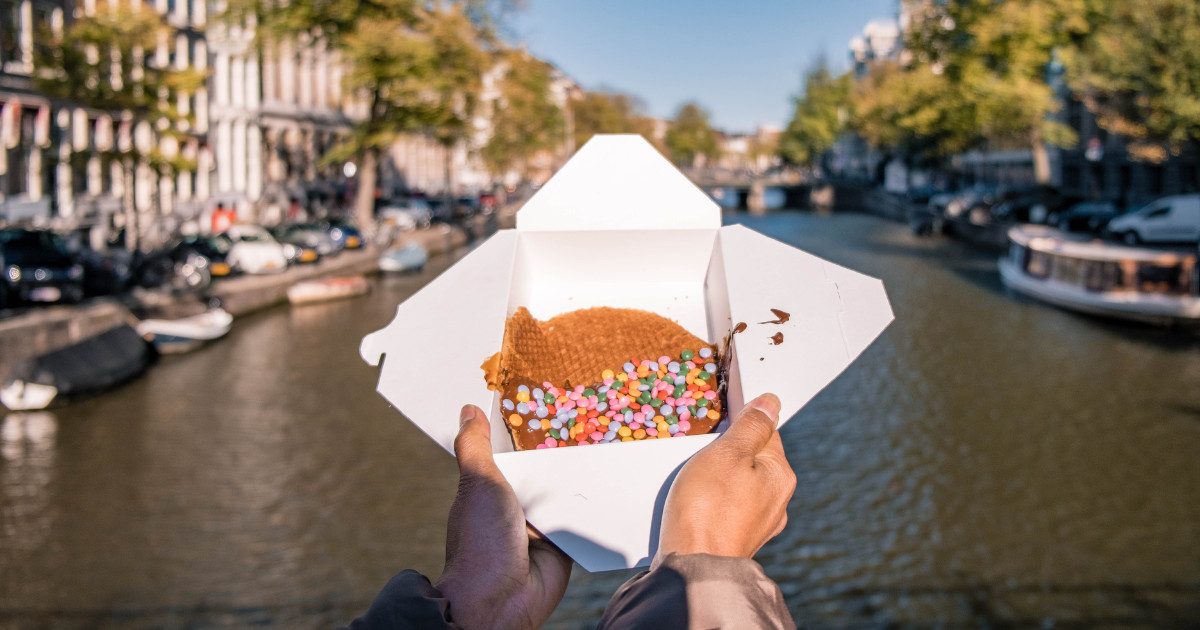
(691, 136)
(106, 62)
(525, 120)
(819, 118)
(998, 54)
(415, 66)
(1139, 73)
(914, 110)
(605, 111)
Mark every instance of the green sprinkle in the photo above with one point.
(553, 433)
(679, 389)
(656, 403)
(686, 355)
(571, 423)
(589, 392)
(704, 376)
(644, 398)
(672, 419)
(549, 399)
(703, 402)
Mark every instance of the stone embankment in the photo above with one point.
(39, 330)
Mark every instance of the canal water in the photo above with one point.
(989, 461)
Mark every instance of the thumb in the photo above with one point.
(473, 444)
(753, 427)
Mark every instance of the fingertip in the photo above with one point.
(474, 432)
(767, 403)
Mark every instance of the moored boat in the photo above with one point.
(174, 336)
(90, 366)
(411, 257)
(323, 289)
(1154, 286)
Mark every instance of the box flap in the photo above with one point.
(425, 374)
(619, 182)
(833, 315)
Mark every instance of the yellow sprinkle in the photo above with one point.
(713, 415)
(640, 434)
(626, 439)
(516, 420)
(522, 396)
(624, 432)
(604, 420)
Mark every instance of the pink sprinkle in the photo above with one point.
(680, 434)
(569, 405)
(609, 381)
(691, 366)
(550, 442)
(663, 360)
(573, 396)
(540, 446)
(710, 394)
(610, 413)
(652, 431)
(639, 417)
(547, 385)
(597, 436)
(685, 416)
(593, 401)
(684, 425)
(635, 425)
(579, 389)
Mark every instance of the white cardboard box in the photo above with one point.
(600, 233)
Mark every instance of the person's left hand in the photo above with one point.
(500, 572)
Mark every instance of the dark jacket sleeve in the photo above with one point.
(698, 591)
(407, 601)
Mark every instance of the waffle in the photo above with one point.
(576, 350)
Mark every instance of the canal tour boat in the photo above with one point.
(1155, 286)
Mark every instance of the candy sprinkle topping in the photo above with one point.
(647, 399)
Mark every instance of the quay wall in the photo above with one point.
(40, 330)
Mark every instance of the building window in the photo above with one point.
(10, 31)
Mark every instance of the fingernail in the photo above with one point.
(767, 403)
(465, 415)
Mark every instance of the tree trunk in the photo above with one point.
(364, 200)
(132, 229)
(1041, 160)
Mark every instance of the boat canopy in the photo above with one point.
(1041, 238)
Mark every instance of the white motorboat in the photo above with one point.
(174, 336)
(324, 289)
(1071, 271)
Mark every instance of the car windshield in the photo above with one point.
(254, 236)
(35, 248)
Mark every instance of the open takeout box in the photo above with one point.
(619, 226)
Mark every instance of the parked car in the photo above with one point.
(404, 215)
(254, 250)
(1174, 219)
(306, 237)
(1087, 216)
(488, 202)
(343, 232)
(105, 272)
(36, 267)
(187, 263)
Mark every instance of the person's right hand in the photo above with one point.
(731, 497)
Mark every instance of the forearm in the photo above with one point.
(699, 591)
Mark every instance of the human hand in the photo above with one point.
(731, 497)
(500, 572)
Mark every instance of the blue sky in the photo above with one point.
(742, 61)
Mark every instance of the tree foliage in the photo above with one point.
(691, 136)
(604, 111)
(415, 66)
(1139, 72)
(819, 117)
(524, 119)
(914, 110)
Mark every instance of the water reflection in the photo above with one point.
(27, 442)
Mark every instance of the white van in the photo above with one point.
(1173, 219)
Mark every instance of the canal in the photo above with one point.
(988, 461)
